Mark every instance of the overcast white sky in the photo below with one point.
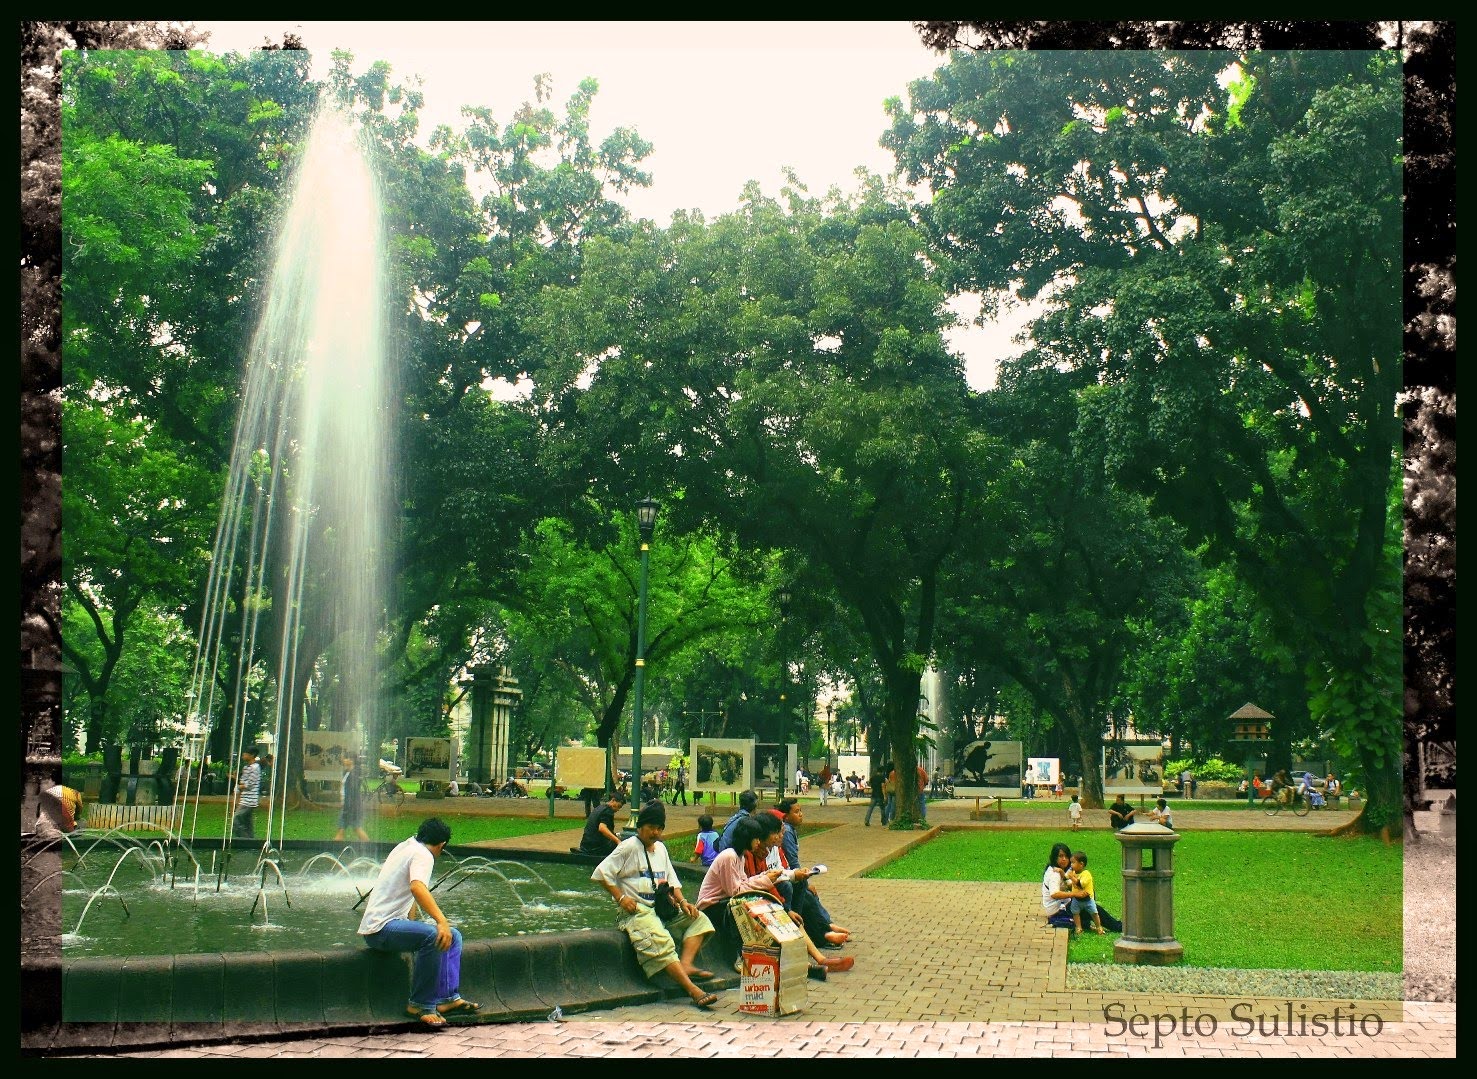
(722, 102)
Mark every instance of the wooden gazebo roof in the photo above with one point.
(1251, 711)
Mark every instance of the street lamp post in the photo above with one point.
(830, 710)
(783, 596)
(646, 511)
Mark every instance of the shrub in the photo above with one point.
(1212, 768)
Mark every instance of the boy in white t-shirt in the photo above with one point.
(1074, 810)
(389, 925)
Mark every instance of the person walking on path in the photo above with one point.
(248, 796)
(922, 797)
(390, 925)
(351, 811)
(877, 795)
(679, 789)
(825, 781)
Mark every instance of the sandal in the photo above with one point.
(459, 1006)
(427, 1017)
(699, 975)
(706, 1001)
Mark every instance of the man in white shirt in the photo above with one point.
(632, 874)
(389, 925)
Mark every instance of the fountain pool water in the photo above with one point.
(123, 900)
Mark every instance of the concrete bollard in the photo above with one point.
(1148, 896)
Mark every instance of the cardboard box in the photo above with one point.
(773, 958)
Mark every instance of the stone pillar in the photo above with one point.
(1148, 896)
(479, 752)
(505, 697)
(493, 699)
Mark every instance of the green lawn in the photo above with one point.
(1316, 904)
(322, 823)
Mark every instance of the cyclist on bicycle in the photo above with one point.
(1282, 786)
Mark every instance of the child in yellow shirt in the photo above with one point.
(1079, 881)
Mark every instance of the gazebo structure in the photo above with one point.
(1252, 731)
(1251, 724)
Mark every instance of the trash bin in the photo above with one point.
(1148, 896)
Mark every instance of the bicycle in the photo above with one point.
(1286, 798)
(387, 790)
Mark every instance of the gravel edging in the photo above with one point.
(1214, 981)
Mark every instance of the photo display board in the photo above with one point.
(428, 758)
(772, 766)
(576, 767)
(721, 764)
(1044, 771)
(1133, 768)
(324, 751)
(988, 769)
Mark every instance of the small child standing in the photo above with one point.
(705, 850)
(1074, 810)
(1079, 880)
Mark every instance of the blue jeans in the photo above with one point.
(437, 976)
(889, 810)
(922, 807)
(875, 804)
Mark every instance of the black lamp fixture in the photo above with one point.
(646, 511)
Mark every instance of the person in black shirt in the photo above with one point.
(600, 836)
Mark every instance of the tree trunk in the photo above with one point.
(901, 720)
(1092, 776)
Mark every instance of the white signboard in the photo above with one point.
(1044, 771)
(860, 763)
(1133, 768)
(988, 769)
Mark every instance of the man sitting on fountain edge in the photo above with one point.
(389, 924)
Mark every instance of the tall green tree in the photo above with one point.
(784, 368)
(1226, 261)
(576, 608)
(1074, 566)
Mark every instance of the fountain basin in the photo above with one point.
(141, 1000)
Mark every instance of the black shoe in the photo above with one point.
(818, 973)
(828, 945)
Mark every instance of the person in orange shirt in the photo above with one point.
(922, 797)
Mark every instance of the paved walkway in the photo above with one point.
(942, 969)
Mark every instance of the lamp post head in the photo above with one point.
(782, 597)
(646, 511)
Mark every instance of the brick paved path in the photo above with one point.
(942, 969)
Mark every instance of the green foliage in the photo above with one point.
(1212, 769)
(1229, 910)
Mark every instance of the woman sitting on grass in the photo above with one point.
(1055, 894)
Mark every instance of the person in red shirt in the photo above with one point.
(922, 797)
